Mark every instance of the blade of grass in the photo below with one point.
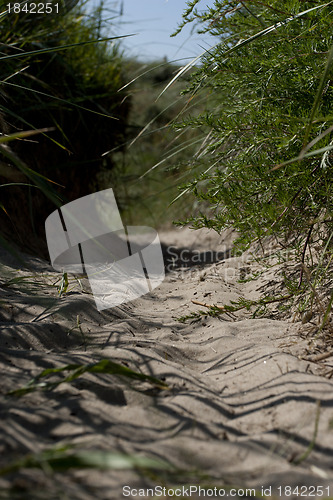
(318, 95)
(300, 157)
(168, 157)
(61, 47)
(315, 140)
(9, 112)
(104, 366)
(62, 459)
(18, 184)
(70, 103)
(21, 135)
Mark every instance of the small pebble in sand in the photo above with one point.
(306, 316)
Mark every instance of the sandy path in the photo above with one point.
(242, 404)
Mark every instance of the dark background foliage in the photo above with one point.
(74, 94)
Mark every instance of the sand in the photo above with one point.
(247, 403)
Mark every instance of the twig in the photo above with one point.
(319, 357)
(303, 254)
(207, 305)
(252, 302)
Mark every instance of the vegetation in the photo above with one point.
(267, 160)
(156, 158)
(63, 121)
(103, 123)
(57, 75)
(251, 139)
(252, 132)
(269, 116)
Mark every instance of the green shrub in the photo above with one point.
(268, 120)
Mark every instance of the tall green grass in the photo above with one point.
(156, 158)
(61, 74)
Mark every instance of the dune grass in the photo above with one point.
(76, 370)
(60, 75)
(155, 158)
